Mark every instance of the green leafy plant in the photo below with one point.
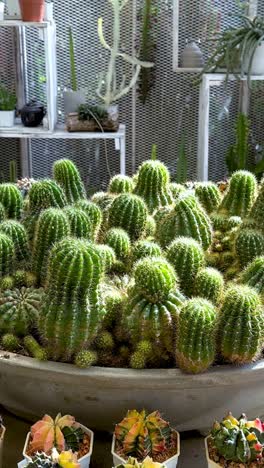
(92, 112)
(7, 99)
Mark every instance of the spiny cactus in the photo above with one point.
(7, 282)
(52, 226)
(105, 341)
(41, 460)
(208, 195)
(18, 234)
(113, 298)
(233, 222)
(94, 214)
(2, 213)
(7, 255)
(249, 245)
(255, 217)
(195, 343)
(153, 185)
(19, 310)
(103, 199)
(80, 225)
(187, 258)
(186, 219)
(129, 212)
(119, 240)
(67, 176)
(253, 275)
(11, 199)
(120, 184)
(241, 194)
(240, 325)
(45, 194)
(23, 278)
(85, 359)
(176, 189)
(10, 342)
(144, 248)
(70, 318)
(209, 284)
(219, 221)
(34, 349)
(140, 358)
(107, 255)
(150, 228)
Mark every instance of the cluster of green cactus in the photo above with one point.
(208, 195)
(129, 212)
(80, 226)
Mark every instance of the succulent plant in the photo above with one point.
(7, 255)
(45, 194)
(7, 282)
(12, 200)
(195, 343)
(209, 284)
(144, 248)
(128, 212)
(67, 176)
(105, 341)
(147, 463)
(80, 225)
(142, 434)
(241, 194)
(94, 214)
(48, 433)
(18, 234)
(103, 199)
(186, 219)
(153, 185)
(253, 275)
(249, 245)
(85, 359)
(70, 315)
(107, 255)
(41, 460)
(10, 342)
(19, 310)
(219, 221)
(208, 195)
(23, 278)
(34, 349)
(120, 184)
(240, 325)
(119, 241)
(176, 189)
(52, 226)
(239, 440)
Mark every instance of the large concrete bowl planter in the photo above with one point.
(170, 463)
(210, 463)
(2, 436)
(98, 397)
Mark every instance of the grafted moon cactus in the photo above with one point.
(209, 284)
(153, 185)
(18, 234)
(241, 194)
(249, 245)
(195, 343)
(120, 184)
(69, 317)
(80, 225)
(12, 200)
(68, 177)
(208, 195)
(129, 212)
(253, 275)
(7, 255)
(240, 325)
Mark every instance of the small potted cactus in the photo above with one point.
(65, 459)
(147, 463)
(235, 443)
(141, 435)
(2, 435)
(62, 433)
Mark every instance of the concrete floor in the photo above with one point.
(192, 446)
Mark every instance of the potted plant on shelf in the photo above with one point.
(147, 463)
(2, 435)
(62, 433)
(109, 91)
(32, 10)
(239, 51)
(7, 107)
(235, 443)
(140, 435)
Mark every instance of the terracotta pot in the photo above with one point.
(32, 10)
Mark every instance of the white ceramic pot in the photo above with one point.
(72, 100)
(84, 461)
(210, 463)
(258, 61)
(2, 9)
(170, 463)
(7, 118)
(13, 9)
(1, 445)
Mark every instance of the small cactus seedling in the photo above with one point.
(144, 248)
(19, 310)
(129, 212)
(240, 325)
(187, 258)
(85, 359)
(153, 185)
(80, 225)
(208, 195)
(120, 184)
(12, 200)
(94, 214)
(11, 343)
(7, 255)
(119, 241)
(34, 349)
(67, 176)
(253, 275)
(195, 343)
(241, 194)
(249, 245)
(209, 284)
(18, 234)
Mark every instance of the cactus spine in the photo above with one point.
(18, 234)
(195, 344)
(153, 185)
(120, 184)
(209, 284)
(52, 226)
(249, 245)
(80, 225)
(94, 214)
(187, 257)
(240, 195)
(7, 255)
(119, 240)
(69, 318)
(129, 212)
(67, 176)
(208, 195)
(253, 275)
(12, 200)
(240, 325)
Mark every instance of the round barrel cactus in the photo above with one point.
(208, 195)
(7, 255)
(80, 225)
(195, 343)
(45, 194)
(144, 248)
(249, 245)
(209, 284)
(12, 200)
(129, 212)
(68, 177)
(107, 255)
(119, 240)
(18, 234)
(120, 184)
(241, 194)
(253, 275)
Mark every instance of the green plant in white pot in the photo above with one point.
(7, 107)
(240, 50)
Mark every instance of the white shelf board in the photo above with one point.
(187, 70)
(222, 77)
(19, 23)
(19, 131)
